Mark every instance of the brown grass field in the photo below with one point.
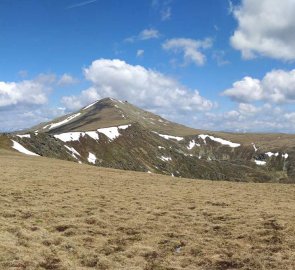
(61, 215)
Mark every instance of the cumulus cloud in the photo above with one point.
(265, 27)
(190, 48)
(25, 116)
(277, 86)
(143, 87)
(246, 90)
(248, 109)
(290, 117)
(34, 92)
(248, 118)
(67, 79)
(25, 103)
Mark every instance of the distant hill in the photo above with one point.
(116, 134)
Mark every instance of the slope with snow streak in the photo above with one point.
(17, 146)
(70, 136)
(219, 140)
(24, 136)
(169, 137)
(68, 119)
(111, 132)
(90, 105)
(73, 151)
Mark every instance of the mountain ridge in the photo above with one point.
(117, 134)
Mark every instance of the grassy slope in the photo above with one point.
(61, 215)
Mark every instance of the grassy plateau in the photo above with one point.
(62, 215)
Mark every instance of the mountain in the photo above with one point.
(116, 134)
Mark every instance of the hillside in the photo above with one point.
(63, 215)
(115, 134)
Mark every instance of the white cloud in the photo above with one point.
(246, 90)
(24, 104)
(140, 53)
(166, 14)
(145, 34)
(248, 109)
(163, 7)
(32, 92)
(143, 87)
(249, 118)
(219, 57)
(190, 48)
(290, 117)
(67, 79)
(230, 7)
(265, 27)
(25, 116)
(277, 86)
(149, 34)
(23, 73)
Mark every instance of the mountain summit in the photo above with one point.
(110, 112)
(117, 134)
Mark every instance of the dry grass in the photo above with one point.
(61, 215)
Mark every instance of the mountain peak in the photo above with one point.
(109, 112)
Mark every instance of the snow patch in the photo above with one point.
(219, 140)
(168, 137)
(24, 136)
(21, 149)
(73, 151)
(161, 147)
(254, 146)
(91, 158)
(90, 105)
(165, 158)
(68, 119)
(93, 135)
(112, 132)
(192, 144)
(270, 154)
(260, 162)
(70, 136)
(285, 156)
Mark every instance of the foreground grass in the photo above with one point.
(61, 215)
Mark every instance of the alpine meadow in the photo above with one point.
(147, 135)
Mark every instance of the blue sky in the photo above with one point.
(214, 64)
